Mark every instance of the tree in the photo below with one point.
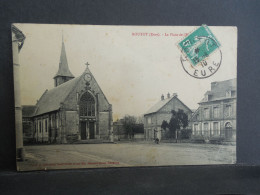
(178, 120)
(164, 125)
(129, 123)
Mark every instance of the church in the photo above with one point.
(75, 109)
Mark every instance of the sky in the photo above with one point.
(133, 71)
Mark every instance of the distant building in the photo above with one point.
(75, 109)
(28, 113)
(216, 115)
(154, 117)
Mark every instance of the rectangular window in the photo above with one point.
(40, 126)
(57, 122)
(228, 93)
(149, 120)
(228, 110)
(195, 130)
(215, 128)
(205, 128)
(216, 112)
(46, 125)
(206, 113)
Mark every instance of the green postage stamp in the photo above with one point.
(200, 58)
(199, 44)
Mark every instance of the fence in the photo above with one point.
(224, 134)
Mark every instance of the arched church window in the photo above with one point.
(87, 105)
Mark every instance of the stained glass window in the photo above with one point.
(87, 105)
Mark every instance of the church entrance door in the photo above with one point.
(91, 130)
(83, 130)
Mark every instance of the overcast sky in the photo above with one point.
(133, 71)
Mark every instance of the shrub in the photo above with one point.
(185, 133)
(216, 140)
(198, 139)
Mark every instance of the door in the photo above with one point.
(91, 130)
(83, 130)
(228, 131)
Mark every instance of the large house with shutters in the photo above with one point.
(75, 109)
(216, 115)
(161, 111)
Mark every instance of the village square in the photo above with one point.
(72, 125)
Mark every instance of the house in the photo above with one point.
(161, 111)
(75, 109)
(216, 115)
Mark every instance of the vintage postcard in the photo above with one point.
(89, 96)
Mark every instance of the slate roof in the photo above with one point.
(28, 110)
(158, 105)
(63, 65)
(161, 104)
(219, 89)
(51, 99)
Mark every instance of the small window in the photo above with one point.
(216, 112)
(149, 120)
(228, 111)
(206, 126)
(228, 93)
(206, 98)
(40, 126)
(215, 128)
(46, 125)
(206, 113)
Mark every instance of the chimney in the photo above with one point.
(168, 95)
(162, 97)
(175, 94)
(213, 85)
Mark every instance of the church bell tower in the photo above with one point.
(63, 75)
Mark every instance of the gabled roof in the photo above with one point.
(28, 110)
(63, 65)
(51, 99)
(162, 103)
(158, 105)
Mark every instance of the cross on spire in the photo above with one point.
(87, 64)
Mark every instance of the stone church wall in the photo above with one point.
(104, 125)
(71, 101)
(72, 125)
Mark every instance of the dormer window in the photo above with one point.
(228, 93)
(206, 113)
(207, 97)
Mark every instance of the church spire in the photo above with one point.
(63, 73)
